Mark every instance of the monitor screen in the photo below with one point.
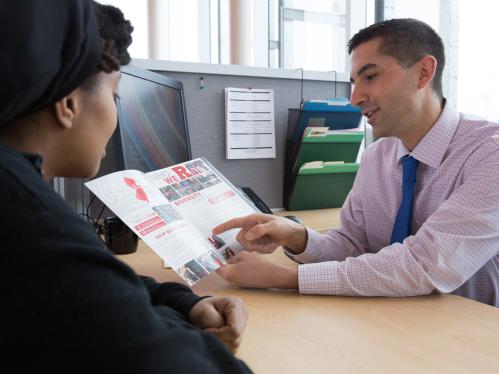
(152, 120)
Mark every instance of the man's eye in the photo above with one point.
(370, 77)
(116, 97)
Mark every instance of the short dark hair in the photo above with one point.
(116, 35)
(407, 40)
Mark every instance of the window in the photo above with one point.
(467, 29)
(442, 16)
(477, 83)
(308, 34)
(188, 31)
(178, 30)
(314, 33)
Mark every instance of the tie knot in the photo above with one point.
(410, 165)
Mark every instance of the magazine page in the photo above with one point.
(205, 198)
(157, 222)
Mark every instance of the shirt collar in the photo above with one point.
(432, 148)
(34, 159)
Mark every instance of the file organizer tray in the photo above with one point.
(324, 187)
(333, 147)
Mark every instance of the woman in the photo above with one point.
(69, 305)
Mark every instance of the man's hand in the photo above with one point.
(263, 233)
(253, 270)
(224, 317)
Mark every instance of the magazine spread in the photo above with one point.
(173, 211)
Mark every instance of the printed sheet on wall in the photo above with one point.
(249, 121)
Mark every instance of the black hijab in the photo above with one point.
(49, 47)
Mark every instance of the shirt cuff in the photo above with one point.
(180, 299)
(321, 279)
(174, 295)
(313, 251)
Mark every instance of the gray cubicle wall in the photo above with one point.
(206, 122)
(206, 119)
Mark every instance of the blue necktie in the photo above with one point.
(402, 225)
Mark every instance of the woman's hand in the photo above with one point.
(224, 317)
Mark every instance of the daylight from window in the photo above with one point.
(315, 35)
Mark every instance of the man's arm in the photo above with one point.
(451, 246)
(345, 241)
(454, 243)
(263, 233)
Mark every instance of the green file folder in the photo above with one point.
(324, 187)
(332, 147)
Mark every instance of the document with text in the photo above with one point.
(174, 209)
(249, 122)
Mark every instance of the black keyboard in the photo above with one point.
(256, 200)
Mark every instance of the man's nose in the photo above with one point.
(357, 98)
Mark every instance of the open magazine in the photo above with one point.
(174, 209)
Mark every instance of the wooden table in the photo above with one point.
(292, 333)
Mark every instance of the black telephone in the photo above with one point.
(252, 196)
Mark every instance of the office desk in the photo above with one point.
(292, 333)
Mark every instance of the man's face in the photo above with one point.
(385, 91)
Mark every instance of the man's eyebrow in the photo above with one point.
(362, 70)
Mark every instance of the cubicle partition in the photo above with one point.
(204, 86)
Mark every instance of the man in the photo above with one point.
(423, 214)
(69, 304)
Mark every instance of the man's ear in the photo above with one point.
(427, 69)
(66, 109)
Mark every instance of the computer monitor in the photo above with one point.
(152, 131)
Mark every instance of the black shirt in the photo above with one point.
(70, 306)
